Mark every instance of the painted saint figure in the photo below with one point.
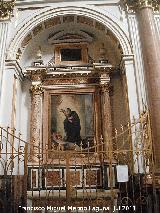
(72, 126)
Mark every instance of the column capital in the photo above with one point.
(36, 74)
(135, 5)
(105, 82)
(37, 89)
(104, 78)
(107, 87)
(6, 9)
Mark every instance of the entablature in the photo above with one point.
(98, 73)
(37, 2)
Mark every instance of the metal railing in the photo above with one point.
(89, 176)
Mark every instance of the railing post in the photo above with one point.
(68, 180)
(25, 175)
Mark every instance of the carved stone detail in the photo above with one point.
(37, 89)
(106, 88)
(6, 9)
(36, 74)
(105, 82)
(137, 4)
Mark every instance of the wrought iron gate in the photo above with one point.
(117, 175)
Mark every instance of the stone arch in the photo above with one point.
(91, 13)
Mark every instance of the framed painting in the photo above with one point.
(70, 120)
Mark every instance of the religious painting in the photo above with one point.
(71, 54)
(72, 120)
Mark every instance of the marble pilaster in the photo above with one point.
(3, 40)
(36, 120)
(106, 110)
(6, 11)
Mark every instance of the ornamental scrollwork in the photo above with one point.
(6, 9)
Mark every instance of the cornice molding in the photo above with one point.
(41, 2)
(135, 5)
(6, 9)
(13, 64)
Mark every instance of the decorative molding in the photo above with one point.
(14, 64)
(51, 63)
(104, 72)
(39, 3)
(105, 78)
(126, 59)
(18, 54)
(6, 9)
(138, 4)
(69, 36)
(36, 75)
(69, 76)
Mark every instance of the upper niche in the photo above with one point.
(54, 34)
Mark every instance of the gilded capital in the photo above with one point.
(6, 9)
(36, 74)
(134, 5)
(107, 87)
(36, 89)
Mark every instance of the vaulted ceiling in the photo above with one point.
(54, 30)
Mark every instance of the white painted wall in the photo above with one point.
(20, 99)
(6, 98)
(25, 110)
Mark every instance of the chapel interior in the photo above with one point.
(79, 100)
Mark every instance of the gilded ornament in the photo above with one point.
(37, 89)
(107, 87)
(134, 5)
(18, 54)
(6, 9)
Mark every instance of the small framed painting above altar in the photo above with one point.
(74, 53)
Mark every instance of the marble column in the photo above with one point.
(36, 121)
(151, 55)
(106, 111)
